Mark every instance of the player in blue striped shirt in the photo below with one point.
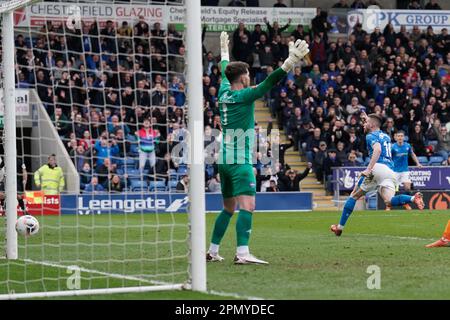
(379, 174)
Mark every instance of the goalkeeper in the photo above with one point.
(238, 183)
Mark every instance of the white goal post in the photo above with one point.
(196, 245)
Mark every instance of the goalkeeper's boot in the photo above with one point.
(388, 207)
(334, 228)
(418, 200)
(442, 242)
(407, 207)
(213, 257)
(248, 259)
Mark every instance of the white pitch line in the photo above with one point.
(393, 237)
(107, 274)
(120, 276)
(233, 295)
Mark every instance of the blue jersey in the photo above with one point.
(385, 142)
(400, 156)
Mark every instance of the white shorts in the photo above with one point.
(402, 177)
(382, 176)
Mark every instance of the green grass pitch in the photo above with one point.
(306, 260)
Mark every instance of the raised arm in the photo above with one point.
(225, 57)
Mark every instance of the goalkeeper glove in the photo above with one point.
(224, 42)
(297, 51)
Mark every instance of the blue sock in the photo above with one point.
(347, 211)
(401, 199)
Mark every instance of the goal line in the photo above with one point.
(153, 285)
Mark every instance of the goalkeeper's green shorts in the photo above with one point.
(237, 180)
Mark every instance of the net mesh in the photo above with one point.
(101, 86)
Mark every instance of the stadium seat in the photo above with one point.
(423, 160)
(173, 185)
(134, 148)
(436, 161)
(182, 169)
(128, 163)
(157, 186)
(138, 185)
(131, 138)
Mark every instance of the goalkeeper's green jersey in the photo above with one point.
(237, 115)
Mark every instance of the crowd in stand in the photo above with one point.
(116, 93)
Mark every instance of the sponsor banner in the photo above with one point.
(216, 18)
(373, 17)
(426, 178)
(434, 200)
(89, 204)
(22, 103)
(39, 204)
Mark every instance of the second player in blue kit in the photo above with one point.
(401, 151)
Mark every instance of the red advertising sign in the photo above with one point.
(40, 204)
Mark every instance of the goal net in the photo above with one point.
(97, 148)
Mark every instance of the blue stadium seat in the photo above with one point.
(182, 169)
(138, 185)
(423, 160)
(131, 138)
(128, 163)
(436, 161)
(173, 185)
(157, 186)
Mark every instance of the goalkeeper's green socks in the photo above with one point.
(243, 230)
(220, 226)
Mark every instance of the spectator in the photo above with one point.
(291, 180)
(236, 3)
(183, 184)
(148, 140)
(61, 122)
(320, 25)
(210, 3)
(50, 178)
(443, 146)
(104, 172)
(252, 3)
(80, 156)
(273, 187)
(214, 184)
(342, 4)
(94, 186)
(105, 149)
(85, 175)
(414, 5)
(358, 4)
(432, 5)
(313, 144)
(351, 160)
(341, 153)
(328, 164)
(115, 185)
(275, 29)
(280, 4)
(417, 140)
(319, 157)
